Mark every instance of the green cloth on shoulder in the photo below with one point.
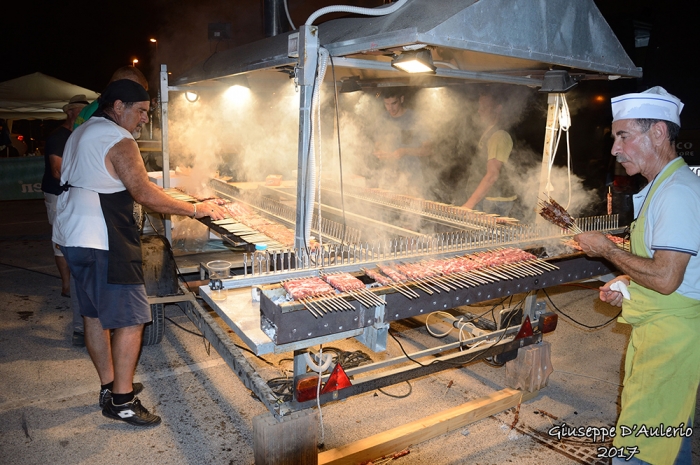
(86, 113)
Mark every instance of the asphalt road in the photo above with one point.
(48, 388)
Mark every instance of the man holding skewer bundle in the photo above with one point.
(662, 281)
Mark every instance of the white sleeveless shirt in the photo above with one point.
(79, 219)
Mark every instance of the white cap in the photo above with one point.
(654, 103)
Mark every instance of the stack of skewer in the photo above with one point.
(557, 215)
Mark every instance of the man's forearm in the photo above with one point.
(480, 191)
(644, 271)
(157, 200)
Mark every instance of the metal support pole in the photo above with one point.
(530, 306)
(299, 363)
(163, 90)
(549, 137)
(306, 75)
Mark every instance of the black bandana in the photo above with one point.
(125, 90)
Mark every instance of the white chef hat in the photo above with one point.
(654, 103)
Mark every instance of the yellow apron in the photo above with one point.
(662, 365)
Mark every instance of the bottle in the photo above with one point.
(260, 256)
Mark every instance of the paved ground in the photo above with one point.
(48, 389)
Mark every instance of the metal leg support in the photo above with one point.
(233, 357)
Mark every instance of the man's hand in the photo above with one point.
(216, 212)
(613, 297)
(594, 244)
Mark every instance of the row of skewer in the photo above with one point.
(430, 281)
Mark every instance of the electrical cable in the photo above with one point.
(323, 56)
(346, 359)
(484, 353)
(183, 328)
(309, 154)
(318, 397)
(401, 396)
(289, 18)
(340, 153)
(578, 322)
(354, 9)
(30, 270)
(561, 123)
(324, 362)
(216, 48)
(459, 320)
(586, 376)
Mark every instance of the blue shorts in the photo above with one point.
(116, 305)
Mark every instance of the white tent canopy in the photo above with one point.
(38, 96)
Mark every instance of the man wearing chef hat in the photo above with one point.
(660, 290)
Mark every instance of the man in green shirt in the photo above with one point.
(489, 189)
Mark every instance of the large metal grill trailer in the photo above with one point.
(550, 45)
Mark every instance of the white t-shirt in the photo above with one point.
(673, 223)
(79, 221)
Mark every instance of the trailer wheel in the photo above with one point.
(153, 331)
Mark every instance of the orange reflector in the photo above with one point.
(548, 322)
(338, 380)
(525, 329)
(305, 388)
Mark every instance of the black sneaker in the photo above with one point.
(132, 412)
(106, 394)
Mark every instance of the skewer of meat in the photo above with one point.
(397, 276)
(385, 281)
(352, 286)
(420, 274)
(316, 312)
(557, 215)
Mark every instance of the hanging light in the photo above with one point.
(191, 96)
(418, 61)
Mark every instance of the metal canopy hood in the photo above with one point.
(512, 41)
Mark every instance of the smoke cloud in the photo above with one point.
(248, 134)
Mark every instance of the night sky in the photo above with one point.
(83, 41)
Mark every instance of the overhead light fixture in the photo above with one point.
(240, 80)
(418, 61)
(191, 96)
(351, 84)
(557, 81)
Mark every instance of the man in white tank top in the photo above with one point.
(102, 175)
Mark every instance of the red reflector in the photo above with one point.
(20, 137)
(525, 329)
(548, 322)
(306, 387)
(338, 380)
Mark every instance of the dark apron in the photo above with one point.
(125, 260)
